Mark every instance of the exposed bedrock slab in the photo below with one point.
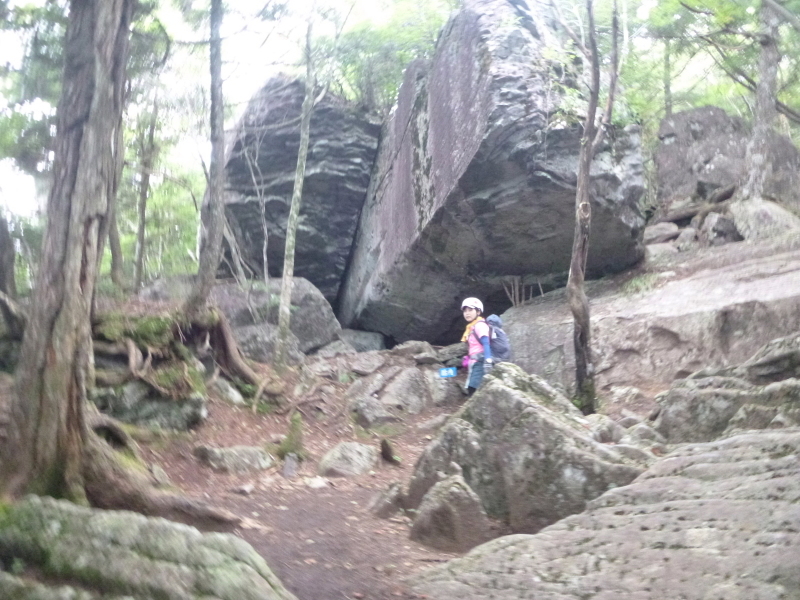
(713, 310)
(714, 520)
(260, 172)
(475, 180)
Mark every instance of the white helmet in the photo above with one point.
(472, 303)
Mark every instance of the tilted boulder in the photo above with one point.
(475, 180)
(260, 169)
(714, 520)
(525, 450)
(99, 554)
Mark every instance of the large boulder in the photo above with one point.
(90, 554)
(714, 520)
(713, 309)
(703, 151)
(475, 180)
(260, 168)
(312, 323)
(252, 310)
(525, 450)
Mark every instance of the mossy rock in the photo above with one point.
(85, 553)
(154, 331)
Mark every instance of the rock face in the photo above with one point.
(714, 520)
(112, 554)
(525, 450)
(761, 393)
(713, 309)
(475, 180)
(264, 149)
(236, 459)
(704, 149)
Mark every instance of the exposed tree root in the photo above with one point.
(110, 484)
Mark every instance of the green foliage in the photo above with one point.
(368, 62)
(293, 442)
(179, 379)
(640, 284)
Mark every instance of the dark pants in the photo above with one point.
(475, 376)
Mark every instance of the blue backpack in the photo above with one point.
(498, 339)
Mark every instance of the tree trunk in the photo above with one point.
(148, 151)
(8, 284)
(48, 433)
(115, 246)
(758, 158)
(284, 310)
(590, 143)
(667, 78)
(212, 215)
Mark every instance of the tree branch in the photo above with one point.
(784, 12)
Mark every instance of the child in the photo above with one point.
(479, 353)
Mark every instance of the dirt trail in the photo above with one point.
(321, 542)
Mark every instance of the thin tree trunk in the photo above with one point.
(758, 155)
(45, 445)
(287, 282)
(115, 246)
(590, 143)
(8, 284)
(212, 215)
(667, 78)
(148, 150)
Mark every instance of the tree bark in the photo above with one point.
(44, 449)
(287, 282)
(212, 215)
(148, 151)
(758, 158)
(8, 284)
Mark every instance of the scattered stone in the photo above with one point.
(388, 454)
(604, 429)
(347, 459)
(717, 230)
(687, 239)
(100, 553)
(316, 483)
(412, 348)
(366, 363)
(433, 424)
(389, 502)
(291, 464)
(244, 490)
(159, 476)
(227, 392)
(236, 459)
(335, 348)
(660, 233)
(451, 517)
(427, 358)
(628, 422)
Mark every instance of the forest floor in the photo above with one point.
(322, 542)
